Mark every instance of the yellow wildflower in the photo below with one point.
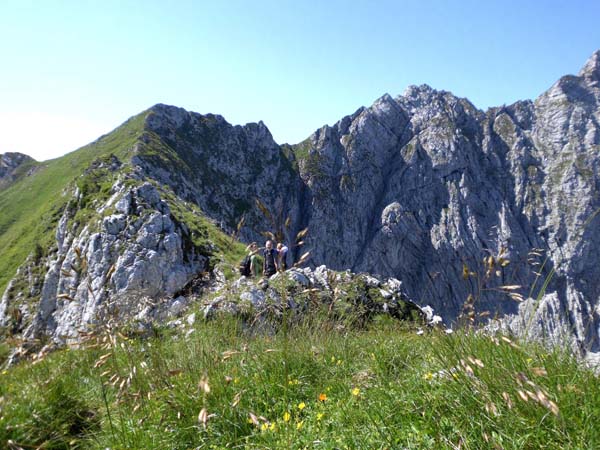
(356, 392)
(299, 425)
(319, 416)
(301, 406)
(286, 416)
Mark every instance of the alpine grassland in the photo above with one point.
(317, 382)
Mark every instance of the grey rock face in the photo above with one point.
(9, 162)
(130, 257)
(224, 169)
(418, 187)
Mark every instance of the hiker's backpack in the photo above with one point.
(245, 266)
(269, 256)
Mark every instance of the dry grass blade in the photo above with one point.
(516, 296)
(288, 222)
(241, 223)
(229, 353)
(268, 235)
(203, 417)
(510, 287)
(264, 210)
(236, 399)
(301, 234)
(507, 399)
(174, 372)
(491, 409)
(12, 445)
(204, 386)
(475, 361)
(238, 228)
(254, 419)
(553, 407)
(102, 360)
(65, 297)
(302, 259)
(539, 371)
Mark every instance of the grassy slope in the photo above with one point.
(311, 386)
(30, 208)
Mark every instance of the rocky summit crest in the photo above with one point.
(591, 69)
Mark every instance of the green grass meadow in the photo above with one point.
(316, 384)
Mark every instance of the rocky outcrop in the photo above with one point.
(9, 163)
(222, 168)
(106, 266)
(343, 296)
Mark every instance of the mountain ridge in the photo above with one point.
(417, 187)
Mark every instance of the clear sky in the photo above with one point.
(73, 70)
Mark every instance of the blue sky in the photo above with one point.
(73, 70)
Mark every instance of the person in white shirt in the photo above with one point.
(282, 251)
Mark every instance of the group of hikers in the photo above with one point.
(273, 260)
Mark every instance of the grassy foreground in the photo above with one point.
(315, 385)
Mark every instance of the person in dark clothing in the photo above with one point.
(270, 260)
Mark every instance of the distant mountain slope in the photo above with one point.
(12, 167)
(421, 187)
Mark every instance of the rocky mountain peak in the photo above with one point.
(13, 159)
(9, 162)
(419, 94)
(161, 117)
(591, 69)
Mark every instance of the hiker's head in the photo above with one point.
(269, 245)
(279, 245)
(253, 246)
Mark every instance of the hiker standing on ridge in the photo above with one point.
(254, 261)
(249, 266)
(282, 252)
(270, 260)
